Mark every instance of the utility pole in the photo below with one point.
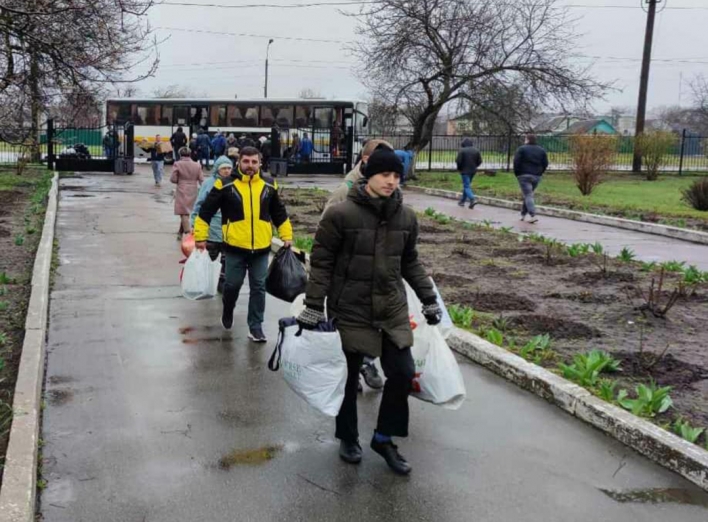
(265, 87)
(644, 82)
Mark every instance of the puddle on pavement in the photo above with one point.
(60, 397)
(249, 457)
(60, 379)
(659, 496)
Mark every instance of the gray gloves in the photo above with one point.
(310, 317)
(433, 313)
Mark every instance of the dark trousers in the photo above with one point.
(399, 369)
(237, 265)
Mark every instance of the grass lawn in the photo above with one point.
(626, 195)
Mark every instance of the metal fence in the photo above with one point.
(689, 154)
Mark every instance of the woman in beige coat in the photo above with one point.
(188, 175)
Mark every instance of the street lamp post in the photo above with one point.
(265, 88)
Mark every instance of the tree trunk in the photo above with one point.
(35, 109)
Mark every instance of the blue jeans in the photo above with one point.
(158, 170)
(528, 183)
(204, 158)
(467, 188)
(237, 264)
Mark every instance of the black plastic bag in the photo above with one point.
(287, 278)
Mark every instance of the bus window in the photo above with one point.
(217, 116)
(243, 116)
(118, 113)
(303, 116)
(148, 114)
(324, 117)
(284, 116)
(180, 115)
(268, 115)
(167, 115)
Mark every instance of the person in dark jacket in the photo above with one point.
(203, 147)
(218, 145)
(178, 140)
(468, 160)
(530, 162)
(194, 148)
(364, 248)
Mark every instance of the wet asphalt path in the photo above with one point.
(147, 399)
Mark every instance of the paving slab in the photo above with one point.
(147, 398)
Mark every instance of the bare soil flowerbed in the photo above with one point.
(22, 208)
(586, 302)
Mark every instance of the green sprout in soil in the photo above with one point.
(304, 243)
(683, 429)
(3, 338)
(430, 212)
(606, 389)
(536, 345)
(501, 323)
(647, 266)
(461, 315)
(4, 305)
(673, 266)
(578, 249)
(494, 336)
(3, 290)
(597, 248)
(627, 255)
(30, 230)
(693, 276)
(651, 400)
(19, 240)
(587, 367)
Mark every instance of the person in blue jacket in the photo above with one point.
(222, 168)
(218, 145)
(203, 147)
(306, 148)
(406, 156)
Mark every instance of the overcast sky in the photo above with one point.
(208, 50)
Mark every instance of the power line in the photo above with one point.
(248, 35)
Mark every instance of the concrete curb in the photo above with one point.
(659, 445)
(687, 459)
(19, 487)
(693, 236)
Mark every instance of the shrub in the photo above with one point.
(655, 147)
(592, 156)
(587, 367)
(697, 195)
(651, 400)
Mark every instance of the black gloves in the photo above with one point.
(433, 313)
(309, 318)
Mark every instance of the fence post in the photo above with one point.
(430, 155)
(683, 144)
(508, 152)
(50, 143)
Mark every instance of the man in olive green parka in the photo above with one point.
(364, 248)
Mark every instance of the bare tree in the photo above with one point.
(54, 49)
(421, 55)
(383, 118)
(310, 94)
(175, 91)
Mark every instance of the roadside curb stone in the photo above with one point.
(694, 236)
(19, 487)
(683, 457)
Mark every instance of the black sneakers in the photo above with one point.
(227, 317)
(371, 376)
(389, 451)
(350, 452)
(256, 335)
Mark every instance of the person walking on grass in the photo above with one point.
(368, 369)
(364, 248)
(157, 159)
(187, 175)
(222, 169)
(468, 161)
(250, 206)
(530, 162)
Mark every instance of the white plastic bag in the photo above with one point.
(313, 365)
(201, 276)
(437, 376)
(415, 312)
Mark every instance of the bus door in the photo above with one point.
(322, 126)
(198, 118)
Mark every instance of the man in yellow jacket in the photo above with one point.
(249, 205)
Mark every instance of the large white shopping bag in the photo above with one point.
(313, 363)
(201, 276)
(438, 378)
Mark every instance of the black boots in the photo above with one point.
(350, 452)
(229, 299)
(389, 451)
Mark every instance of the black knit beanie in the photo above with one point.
(383, 159)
